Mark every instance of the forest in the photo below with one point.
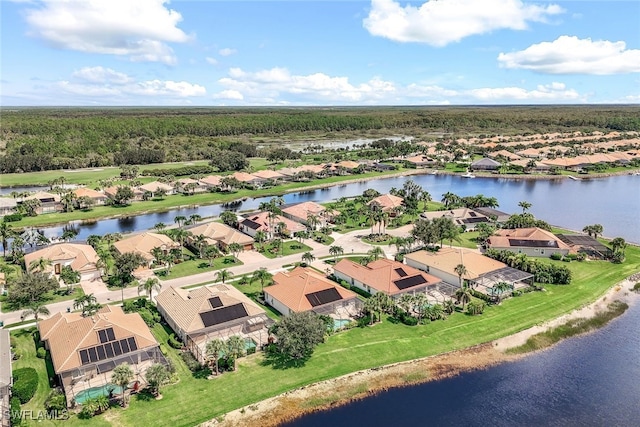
(34, 139)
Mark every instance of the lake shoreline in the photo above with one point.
(362, 384)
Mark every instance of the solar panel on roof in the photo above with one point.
(117, 350)
(125, 346)
(108, 348)
(401, 272)
(101, 352)
(110, 335)
(475, 220)
(472, 214)
(323, 297)
(223, 314)
(132, 344)
(102, 335)
(93, 356)
(84, 357)
(410, 282)
(215, 302)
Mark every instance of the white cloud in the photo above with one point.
(116, 87)
(227, 51)
(571, 55)
(101, 75)
(440, 22)
(278, 86)
(136, 29)
(211, 60)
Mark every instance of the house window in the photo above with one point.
(56, 268)
(542, 251)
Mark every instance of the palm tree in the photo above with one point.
(181, 235)
(460, 270)
(312, 221)
(156, 375)
(211, 253)
(262, 275)
(194, 218)
(376, 252)
(463, 295)
(150, 285)
(236, 349)
(277, 244)
(525, 206)
(308, 257)
(160, 226)
(260, 237)
(235, 248)
(180, 220)
(84, 301)
(122, 376)
(500, 288)
(35, 310)
(200, 242)
(5, 233)
(335, 251)
(39, 264)
(223, 275)
(214, 349)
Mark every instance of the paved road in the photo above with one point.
(350, 242)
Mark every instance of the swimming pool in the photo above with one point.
(340, 323)
(93, 392)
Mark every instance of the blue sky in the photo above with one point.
(313, 53)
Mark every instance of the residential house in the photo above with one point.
(190, 186)
(269, 175)
(531, 153)
(300, 212)
(80, 257)
(390, 277)
(387, 203)
(217, 311)
(482, 272)
(211, 182)
(485, 164)
(156, 187)
(111, 192)
(6, 378)
(304, 289)
(495, 215)
(531, 165)
(49, 202)
(7, 206)
(531, 241)
(98, 197)
(464, 217)
(271, 226)
(508, 155)
(222, 235)
(420, 161)
(85, 350)
(249, 179)
(144, 243)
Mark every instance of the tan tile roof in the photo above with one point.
(348, 164)
(68, 333)
(446, 259)
(302, 210)
(185, 181)
(111, 191)
(419, 159)
(525, 163)
(216, 231)
(503, 237)
(387, 201)
(268, 174)
(457, 214)
(88, 192)
(506, 154)
(245, 177)
(184, 306)
(262, 219)
(211, 180)
(143, 244)
(6, 202)
(155, 186)
(291, 288)
(382, 274)
(40, 195)
(84, 256)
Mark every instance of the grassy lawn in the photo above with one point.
(386, 240)
(192, 401)
(188, 268)
(324, 239)
(289, 247)
(51, 297)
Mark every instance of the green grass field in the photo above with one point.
(192, 401)
(289, 247)
(196, 266)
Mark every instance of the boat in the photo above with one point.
(574, 178)
(468, 175)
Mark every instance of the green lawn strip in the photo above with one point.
(196, 266)
(176, 201)
(51, 298)
(289, 247)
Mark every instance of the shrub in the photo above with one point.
(174, 342)
(41, 353)
(191, 362)
(636, 287)
(408, 320)
(556, 256)
(25, 384)
(15, 417)
(56, 401)
(475, 307)
(13, 217)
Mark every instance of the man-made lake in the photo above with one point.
(584, 381)
(613, 202)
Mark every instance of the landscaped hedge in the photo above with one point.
(12, 217)
(25, 383)
(15, 416)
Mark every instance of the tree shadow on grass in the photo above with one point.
(277, 360)
(145, 395)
